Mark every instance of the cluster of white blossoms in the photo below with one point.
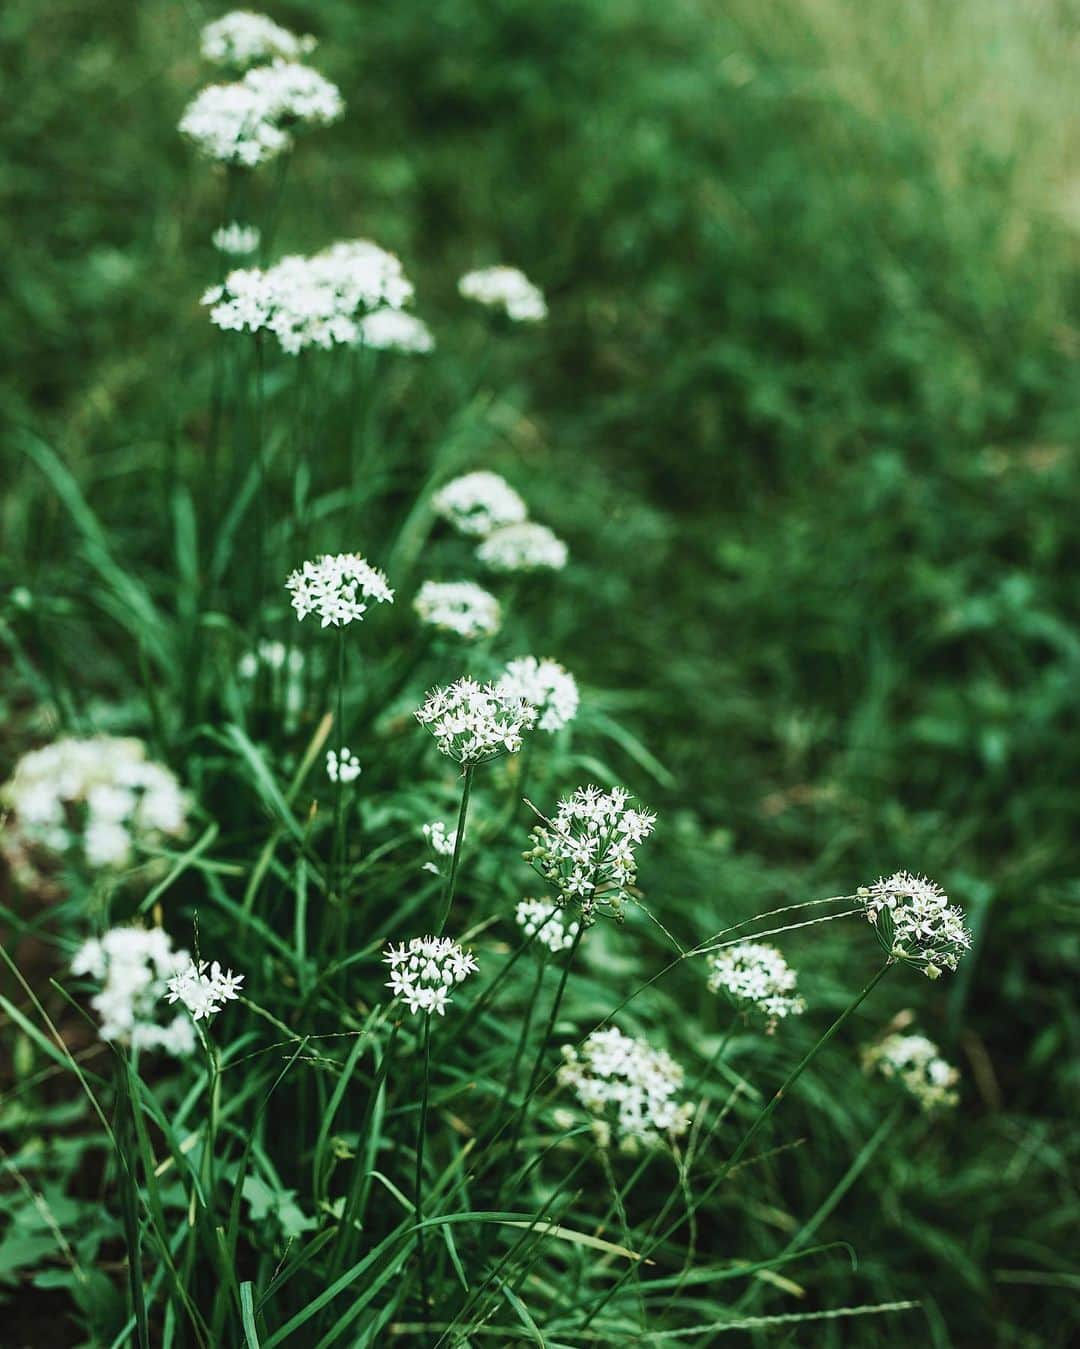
(916, 1062)
(545, 685)
(133, 964)
(242, 38)
(274, 656)
(545, 921)
(236, 240)
(337, 587)
(439, 838)
(203, 989)
(755, 973)
(460, 607)
(587, 851)
(424, 970)
(476, 503)
(316, 301)
(473, 722)
(394, 330)
(102, 794)
(251, 121)
(628, 1086)
(523, 547)
(505, 288)
(343, 769)
(915, 922)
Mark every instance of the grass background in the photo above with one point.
(806, 411)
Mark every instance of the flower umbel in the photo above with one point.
(474, 722)
(133, 964)
(204, 989)
(756, 975)
(628, 1086)
(542, 919)
(393, 330)
(237, 240)
(241, 38)
(523, 547)
(588, 851)
(424, 970)
(505, 288)
(460, 607)
(916, 1062)
(343, 769)
(915, 922)
(337, 588)
(545, 685)
(476, 503)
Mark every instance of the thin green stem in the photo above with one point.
(421, 1133)
(451, 879)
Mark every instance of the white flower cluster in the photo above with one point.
(203, 989)
(756, 973)
(241, 38)
(439, 838)
(424, 970)
(473, 722)
(345, 769)
(523, 547)
(393, 330)
(237, 240)
(337, 588)
(628, 1086)
(543, 920)
(476, 503)
(587, 851)
(316, 301)
(505, 288)
(250, 122)
(916, 1062)
(101, 793)
(545, 685)
(461, 607)
(275, 656)
(133, 964)
(915, 922)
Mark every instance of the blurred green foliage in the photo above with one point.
(807, 412)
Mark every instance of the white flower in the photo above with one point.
(132, 965)
(917, 1063)
(756, 973)
(587, 851)
(440, 840)
(424, 971)
(101, 792)
(543, 920)
(241, 38)
(291, 92)
(505, 288)
(473, 722)
(276, 656)
(230, 123)
(337, 588)
(915, 922)
(237, 240)
(392, 330)
(203, 989)
(346, 770)
(461, 607)
(523, 547)
(315, 301)
(629, 1086)
(545, 685)
(479, 502)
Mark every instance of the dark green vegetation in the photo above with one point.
(806, 411)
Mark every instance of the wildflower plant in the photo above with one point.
(460, 607)
(629, 1088)
(756, 977)
(545, 685)
(133, 965)
(522, 547)
(916, 1063)
(424, 971)
(547, 923)
(243, 38)
(473, 723)
(479, 502)
(337, 588)
(915, 923)
(508, 289)
(203, 988)
(588, 851)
